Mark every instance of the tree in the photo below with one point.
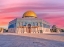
(0, 29)
(54, 28)
(62, 30)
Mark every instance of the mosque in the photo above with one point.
(29, 23)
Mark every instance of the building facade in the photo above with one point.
(29, 23)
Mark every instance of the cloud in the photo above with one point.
(49, 10)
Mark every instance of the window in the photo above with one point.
(46, 26)
(24, 23)
(36, 24)
(33, 24)
(40, 24)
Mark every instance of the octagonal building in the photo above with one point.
(29, 23)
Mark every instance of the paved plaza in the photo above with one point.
(31, 40)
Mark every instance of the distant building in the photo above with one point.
(29, 23)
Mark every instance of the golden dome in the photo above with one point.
(29, 14)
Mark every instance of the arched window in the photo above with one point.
(40, 24)
(36, 23)
(33, 23)
(44, 25)
(24, 23)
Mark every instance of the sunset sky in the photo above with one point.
(49, 10)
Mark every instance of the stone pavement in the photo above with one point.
(11, 40)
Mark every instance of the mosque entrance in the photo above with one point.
(29, 28)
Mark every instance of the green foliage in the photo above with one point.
(62, 30)
(54, 29)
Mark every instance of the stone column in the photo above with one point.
(32, 30)
(25, 30)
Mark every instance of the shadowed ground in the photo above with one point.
(31, 40)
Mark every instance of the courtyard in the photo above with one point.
(32, 40)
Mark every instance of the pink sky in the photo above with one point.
(49, 10)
